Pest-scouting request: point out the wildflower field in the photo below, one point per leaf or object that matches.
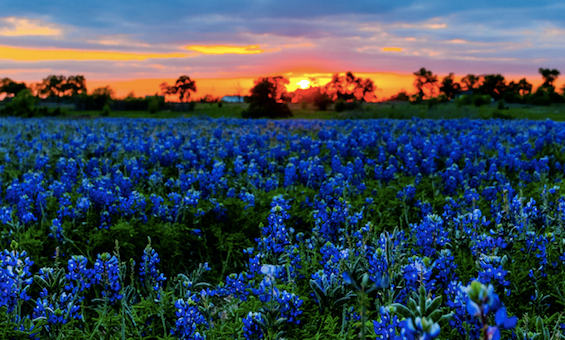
(295, 229)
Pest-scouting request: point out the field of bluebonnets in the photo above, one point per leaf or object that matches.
(294, 229)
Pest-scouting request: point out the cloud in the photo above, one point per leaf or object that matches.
(16, 27)
(233, 37)
(224, 49)
(117, 40)
(29, 54)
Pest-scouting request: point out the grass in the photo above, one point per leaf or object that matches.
(397, 110)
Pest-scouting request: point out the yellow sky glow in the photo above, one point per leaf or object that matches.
(224, 49)
(392, 49)
(22, 27)
(31, 54)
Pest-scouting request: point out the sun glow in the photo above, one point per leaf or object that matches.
(304, 84)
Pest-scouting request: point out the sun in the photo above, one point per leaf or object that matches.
(304, 84)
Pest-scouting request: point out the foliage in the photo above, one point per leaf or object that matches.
(349, 88)
(183, 86)
(57, 86)
(342, 105)
(446, 229)
(10, 87)
(106, 111)
(425, 80)
(268, 99)
(449, 87)
(153, 104)
(23, 104)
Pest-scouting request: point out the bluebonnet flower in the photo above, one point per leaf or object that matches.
(481, 301)
(378, 267)
(289, 304)
(189, 319)
(251, 329)
(56, 230)
(78, 276)
(491, 270)
(418, 271)
(15, 277)
(276, 236)
(236, 285)
(456, 300)
(386, 327)
(419, 329)
(430, 235)
(107, 273)
(149, 275)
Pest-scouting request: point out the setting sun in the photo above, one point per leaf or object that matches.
(304, 84)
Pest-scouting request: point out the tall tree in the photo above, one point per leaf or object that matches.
(470, 81)
(549, 76)
(74, 85)
(10, 87)
(52, 86)
(522, 87)
(493, 85)
(183, 86)
(425, 79)
(268, 99)
(449, 87)
(348, 87)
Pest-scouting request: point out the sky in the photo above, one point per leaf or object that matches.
(225, 45)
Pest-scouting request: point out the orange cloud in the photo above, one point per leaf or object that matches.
(30, 54)
(392, 49)
(225, 49)
(21, 26)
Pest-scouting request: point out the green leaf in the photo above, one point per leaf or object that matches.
(403, 310)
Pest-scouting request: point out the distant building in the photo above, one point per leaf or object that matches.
(232, 99)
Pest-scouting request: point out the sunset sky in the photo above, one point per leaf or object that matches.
(225, 45)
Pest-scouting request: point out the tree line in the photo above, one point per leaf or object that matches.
(269, 96)
(22, 98)
(473, 87)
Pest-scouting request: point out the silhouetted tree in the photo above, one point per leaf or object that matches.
(102, 96)
(268, 99)
(494, 85)
(549, 76)
(321, 99)
(183, 86)
(349, 88)
(449, 87)
(545, 94)
(516, 92)
(74, 85)
(401, 96)
(470, 81)
(521, 88)
(52, 86)
(10, 87)
(425, 79)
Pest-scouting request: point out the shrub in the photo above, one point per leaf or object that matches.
(322, 100)
(342, 105)
(153, 105)
(23, 103)
(106, 111)
(481, 100)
